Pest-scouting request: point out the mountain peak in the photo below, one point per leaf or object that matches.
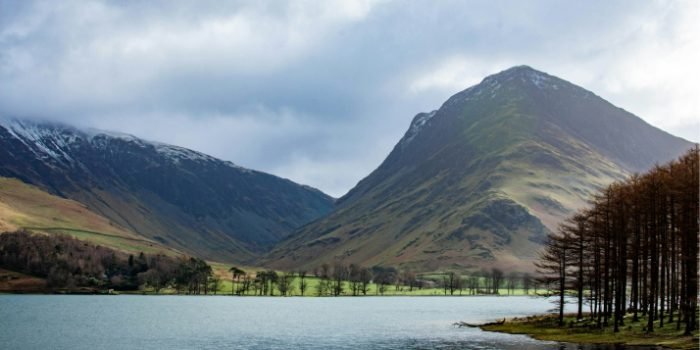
(524, 74)
(521, 68)
(517, 77)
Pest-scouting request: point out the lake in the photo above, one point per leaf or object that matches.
(219, 322)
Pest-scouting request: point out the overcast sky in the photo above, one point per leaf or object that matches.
(320, 91)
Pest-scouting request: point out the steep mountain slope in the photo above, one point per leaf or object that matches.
(480, 181)
(24, 206)
(178, 197)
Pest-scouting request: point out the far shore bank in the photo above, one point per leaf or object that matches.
(87, 291)
(544, 327)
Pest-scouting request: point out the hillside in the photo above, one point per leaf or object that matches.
(480, 181)
(177, 197)
(24, 206)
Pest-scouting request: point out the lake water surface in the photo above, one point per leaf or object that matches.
(190, 322)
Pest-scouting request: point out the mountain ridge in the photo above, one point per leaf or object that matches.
(179, 197)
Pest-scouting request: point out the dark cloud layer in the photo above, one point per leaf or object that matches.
(320, 91)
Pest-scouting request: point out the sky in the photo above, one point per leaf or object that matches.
(320, 91)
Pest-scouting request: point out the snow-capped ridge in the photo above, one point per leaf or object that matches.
(54, 142)
(48, 143)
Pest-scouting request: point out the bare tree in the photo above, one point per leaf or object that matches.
(526, 282)
(302, 282)
(214, 283)
(340, 274)
(496, 280)
(236, 273)
(285, 283)
(552, 266)
(323, 273)
(365, 279)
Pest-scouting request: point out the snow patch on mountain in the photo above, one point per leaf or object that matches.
(416, 126)
(45, 143)
(177, 153)
(94, 133)
(540, 80)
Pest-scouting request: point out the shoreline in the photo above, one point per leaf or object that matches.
(117, 293)
(544, 327)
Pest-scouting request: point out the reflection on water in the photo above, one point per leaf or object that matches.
(182, 322)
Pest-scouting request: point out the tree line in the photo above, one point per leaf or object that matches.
(355, 280)
(634, 250)
(67, 263)
(488, 282)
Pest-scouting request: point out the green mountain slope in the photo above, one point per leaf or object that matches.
(480, 181)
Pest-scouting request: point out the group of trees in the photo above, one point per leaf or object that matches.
(332, 279)
(487, 282)
(264, 282)
(634, 250)
(67, 262)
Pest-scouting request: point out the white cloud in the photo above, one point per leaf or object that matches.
(332, 175)
(455, 74)
(656, 74)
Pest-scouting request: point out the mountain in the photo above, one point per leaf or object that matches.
(177, 197)
(480, 181)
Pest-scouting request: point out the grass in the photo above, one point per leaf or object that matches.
(584, 332)
(126, 244)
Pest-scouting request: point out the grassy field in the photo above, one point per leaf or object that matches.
(584, 332)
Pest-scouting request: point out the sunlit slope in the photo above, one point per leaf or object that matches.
(480, 181)
(26, 206)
